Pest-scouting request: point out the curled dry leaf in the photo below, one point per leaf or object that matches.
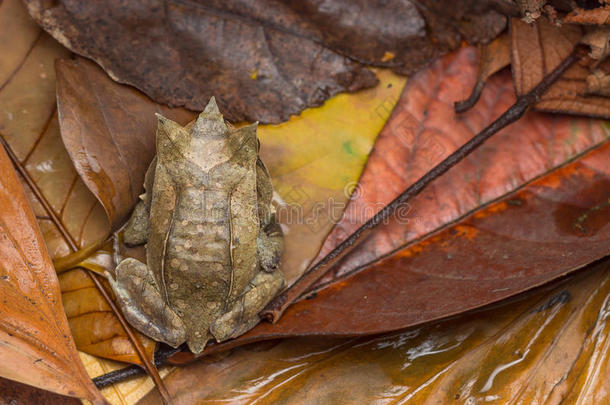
(116, 116)
(264, 60)
(36, 347)
(542, 347)
(536, 50)
(509, 217)
(314, 159)
(598, 40)
(493, 57)
(598, 83)
(29, 125)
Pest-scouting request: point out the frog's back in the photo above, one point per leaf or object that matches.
(202, 247)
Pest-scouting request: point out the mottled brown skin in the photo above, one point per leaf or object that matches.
(213, 244)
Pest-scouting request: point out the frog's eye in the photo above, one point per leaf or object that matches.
(170, 135)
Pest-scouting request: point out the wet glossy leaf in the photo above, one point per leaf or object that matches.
(536, 50)
(29, 124)
(265, 60)
(549, 346)
(36, 347)
(314, 159)
(509, 217)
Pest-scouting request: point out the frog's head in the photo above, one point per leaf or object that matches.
(207, 141)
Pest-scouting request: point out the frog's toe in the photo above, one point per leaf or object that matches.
(198, 341)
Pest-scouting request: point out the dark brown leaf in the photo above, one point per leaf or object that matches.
(91, 109)
(536, 50)
(262, 60)
(36, 346)
(14, 393)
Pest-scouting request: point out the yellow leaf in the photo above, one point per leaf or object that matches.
(315, 160)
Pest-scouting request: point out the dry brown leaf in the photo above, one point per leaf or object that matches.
(598, 40)
(493, 57)
(594, 16)
(536, 50)
(264, 60)
(549, 346)
(36, 347)
(598, 83)
(29, 124)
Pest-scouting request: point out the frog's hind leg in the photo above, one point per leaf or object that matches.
(243, 316)
(143, 305)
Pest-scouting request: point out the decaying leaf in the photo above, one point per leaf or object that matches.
(598, 40)
(29, 125)
(14, 393)
(536, 50)
(36, 347)
(598, 83)
(548, 346)
(265, 60)
(314, 159)
(594, 16)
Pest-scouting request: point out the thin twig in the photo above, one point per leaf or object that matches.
(276, 308)
(133, 371)
(150, 369)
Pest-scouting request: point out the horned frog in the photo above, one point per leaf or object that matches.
(213, 244)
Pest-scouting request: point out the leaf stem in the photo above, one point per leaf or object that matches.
(276, 308)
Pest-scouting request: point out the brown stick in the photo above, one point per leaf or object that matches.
(276, 308)
(150, 368)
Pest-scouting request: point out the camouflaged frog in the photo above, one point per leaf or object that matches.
(213, 245)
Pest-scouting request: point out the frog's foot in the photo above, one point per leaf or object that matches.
(243, 316)
(142, 303)
(269, 246)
